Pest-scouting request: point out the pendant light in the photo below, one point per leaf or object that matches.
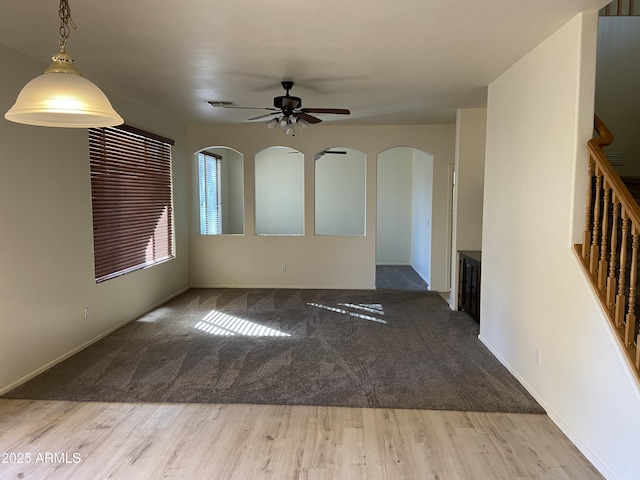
(62, 97)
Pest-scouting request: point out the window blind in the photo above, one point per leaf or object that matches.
(209, 186)
(131, 195)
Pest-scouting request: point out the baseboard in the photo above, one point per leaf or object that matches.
(554, 417)
(86, 344)
(293, 287)
(446, 296)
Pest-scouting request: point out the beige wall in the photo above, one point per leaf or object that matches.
(534, 294)
(315, 261)
(46, 242)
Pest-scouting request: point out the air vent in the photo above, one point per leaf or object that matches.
(616, 158)
(221, 103)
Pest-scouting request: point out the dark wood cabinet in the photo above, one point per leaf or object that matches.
(469, 283)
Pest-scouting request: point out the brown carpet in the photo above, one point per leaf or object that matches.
(382, 348)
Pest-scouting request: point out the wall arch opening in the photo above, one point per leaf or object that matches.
(219, 181)
(404, 214)
(279, 191)
(340, 191)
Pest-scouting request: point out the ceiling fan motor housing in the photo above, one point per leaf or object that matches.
(287, 102)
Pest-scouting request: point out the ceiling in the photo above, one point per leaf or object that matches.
(388, 61)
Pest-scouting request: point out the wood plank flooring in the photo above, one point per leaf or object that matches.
(69, 440)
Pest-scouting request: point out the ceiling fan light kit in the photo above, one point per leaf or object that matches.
(62, 97)
(288, 110)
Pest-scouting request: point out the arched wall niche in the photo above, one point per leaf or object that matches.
(219, 190)
(279, 191)
(340, 191)
(317, 261)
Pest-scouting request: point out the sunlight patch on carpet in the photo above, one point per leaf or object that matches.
(224, 325)
(372, 308)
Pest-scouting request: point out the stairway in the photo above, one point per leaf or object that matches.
(621, 8)
(610, 249)
(633, 184)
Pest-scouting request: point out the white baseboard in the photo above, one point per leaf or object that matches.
(554, 417)
(293, 287)
(86, 344)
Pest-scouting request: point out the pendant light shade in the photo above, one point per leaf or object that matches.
(63, 100)
(62, 97)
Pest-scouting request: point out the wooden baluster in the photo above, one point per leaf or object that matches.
(586, 236)
(619, 7)
(602, 265)
(630, 327)
(611, 279)
(620, 298)
(594, 254)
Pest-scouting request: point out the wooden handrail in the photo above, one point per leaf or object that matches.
(595, 146)
(610, 251)
(620, 8)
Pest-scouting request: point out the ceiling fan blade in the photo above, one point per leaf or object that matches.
(263, 116)
(319, 155)
(335, 111)
(307, 118)
(252, 108)
(218, 105)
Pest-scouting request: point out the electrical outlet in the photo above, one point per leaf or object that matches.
(537, 357)
(86, 312)
(283, 268)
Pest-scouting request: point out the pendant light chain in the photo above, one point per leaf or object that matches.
(61, 96)
(65, 22)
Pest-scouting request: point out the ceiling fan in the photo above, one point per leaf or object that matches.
(319, 155)
(288, 111)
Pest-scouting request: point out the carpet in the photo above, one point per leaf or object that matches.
(352, 348)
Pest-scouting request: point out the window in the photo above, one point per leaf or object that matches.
(209, 188)
(131, 195)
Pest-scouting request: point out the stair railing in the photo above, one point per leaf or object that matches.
(621, 8)
(609, 250)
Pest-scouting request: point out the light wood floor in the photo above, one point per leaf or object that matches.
(67, 440)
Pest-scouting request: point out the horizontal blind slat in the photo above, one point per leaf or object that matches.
(132, 200)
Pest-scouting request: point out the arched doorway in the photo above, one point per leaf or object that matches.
(404, 218)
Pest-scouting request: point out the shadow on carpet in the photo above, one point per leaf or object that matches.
(360, 348)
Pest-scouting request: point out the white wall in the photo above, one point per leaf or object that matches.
(311, 260)
(46, 242)
(471, 131)
(421, 213)
(617, 92)
(340, 192)
(279, 194)
(534, 294)
(394, 198)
